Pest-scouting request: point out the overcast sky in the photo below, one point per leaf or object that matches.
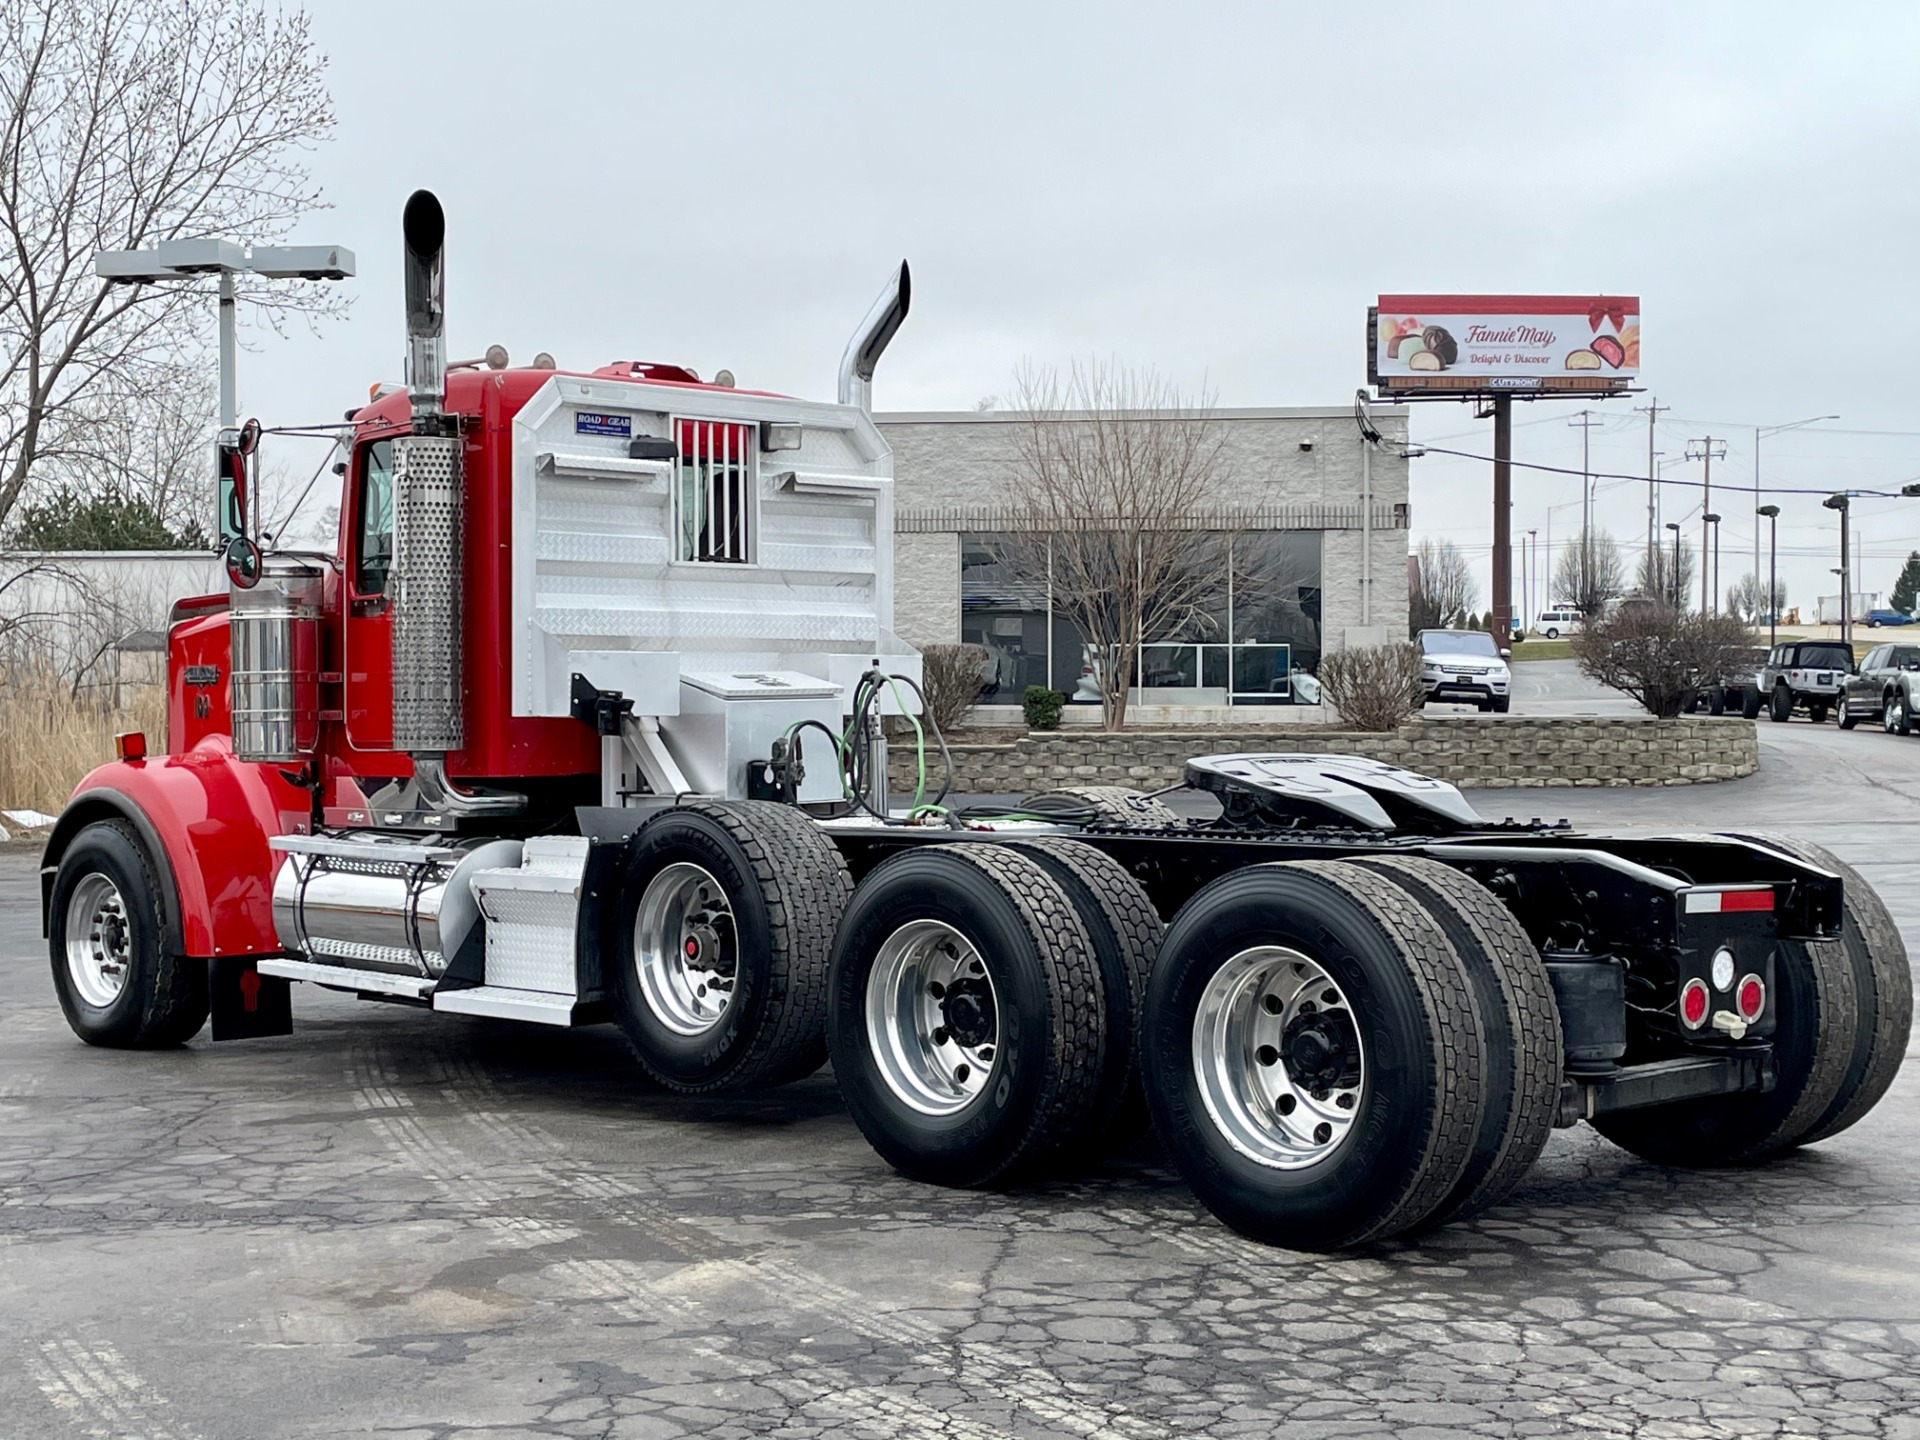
(1218, 191)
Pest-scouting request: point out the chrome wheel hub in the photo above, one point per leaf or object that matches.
(99, 941)
(685, 949)
(933, 1019)
(1278, 1057)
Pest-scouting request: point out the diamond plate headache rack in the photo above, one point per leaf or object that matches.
(1350, 790)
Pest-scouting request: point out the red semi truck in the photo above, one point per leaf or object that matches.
(582, 722)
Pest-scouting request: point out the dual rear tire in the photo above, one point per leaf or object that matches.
(1337, 1053)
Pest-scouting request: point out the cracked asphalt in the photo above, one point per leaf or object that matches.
(415, 1226)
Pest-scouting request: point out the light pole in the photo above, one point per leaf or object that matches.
(1839, 502)
(185, 259)
(1759, 433)
(1673, 584)
(1533, 574)
(1772, 512)
(1714, 521)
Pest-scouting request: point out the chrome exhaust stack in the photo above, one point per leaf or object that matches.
(870, 341)
(424, 226)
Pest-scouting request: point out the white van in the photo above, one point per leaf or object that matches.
(1552, 624)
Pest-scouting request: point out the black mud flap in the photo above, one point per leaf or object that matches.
(246, 1004)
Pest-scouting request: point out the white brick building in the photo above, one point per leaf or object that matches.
(1291, 492)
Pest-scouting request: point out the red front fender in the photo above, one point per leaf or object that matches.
(205, 818)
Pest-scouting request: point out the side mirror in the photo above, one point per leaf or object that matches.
(243, 563)
(1506, 654)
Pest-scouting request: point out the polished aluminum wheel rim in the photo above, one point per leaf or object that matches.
(686, 949)
(933, 1019)
(1278, 1056)
(99, 941)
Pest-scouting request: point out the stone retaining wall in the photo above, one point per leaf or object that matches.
(1475, 753)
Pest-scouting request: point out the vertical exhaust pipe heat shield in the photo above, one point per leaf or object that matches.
(871, 339)
(428, 501)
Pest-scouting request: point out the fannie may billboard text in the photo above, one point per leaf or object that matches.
(1504, 342)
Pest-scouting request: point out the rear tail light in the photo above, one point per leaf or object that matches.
(1694, 1003)
(1751, 997)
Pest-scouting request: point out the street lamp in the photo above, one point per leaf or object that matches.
(1839, 502)
(1714, 521)
(184, 259)
(1675, 577)
(1759, 432)
(1772, 512)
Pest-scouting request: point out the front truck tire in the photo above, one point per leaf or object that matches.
(967, 1023)
(1521, 1029)
(1314, 1055)
(117, 983)
(1125, 930)
(716, 960)
(1842, 1012)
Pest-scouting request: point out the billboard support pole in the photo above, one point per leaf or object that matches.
(1502, 520)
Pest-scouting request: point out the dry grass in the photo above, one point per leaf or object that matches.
(49, 739)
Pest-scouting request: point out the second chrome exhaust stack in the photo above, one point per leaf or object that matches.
(871, 339)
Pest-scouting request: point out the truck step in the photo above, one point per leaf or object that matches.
(342, 977)
(541, 1007)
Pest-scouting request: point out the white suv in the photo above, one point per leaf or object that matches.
(1552, 624)
(1464, 666)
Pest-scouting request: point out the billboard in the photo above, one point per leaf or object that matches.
(1476, 343)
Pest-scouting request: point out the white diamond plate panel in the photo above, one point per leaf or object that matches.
(530, 937)
(594, 557)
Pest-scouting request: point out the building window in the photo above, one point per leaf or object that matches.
(1249, 627)
(714, 499)
(1004, 611)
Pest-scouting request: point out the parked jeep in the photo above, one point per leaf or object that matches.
(1883, 689)
(1805, 673)
(1738, 691)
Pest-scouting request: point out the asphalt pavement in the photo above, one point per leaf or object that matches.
(415, 1226)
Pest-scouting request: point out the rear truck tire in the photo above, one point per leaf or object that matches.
(117, 984)
(1520, 1033)
(716, 961)
(967, 1023)
(1818, 1003)
(1871, 945)
(1716, 701)
(1110, 802)
(1125, 930)
(1781, 707)
(1313, 1055)
(1817, 711)
(1750, 702)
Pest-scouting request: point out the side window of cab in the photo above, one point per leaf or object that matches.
(373, 528)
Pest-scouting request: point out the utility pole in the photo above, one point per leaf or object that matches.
(1705, 453)
(1503, 519)
(1652, 409)
(1586, 422)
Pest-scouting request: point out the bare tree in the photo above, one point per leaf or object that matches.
(1441, 593)
(1113, 470)
(1374, 688)
(1590, 572)
(124, 123)
(1661, 656)
(1747, 598)
(1664, 577)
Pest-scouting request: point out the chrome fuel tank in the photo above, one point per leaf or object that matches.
(376, 901)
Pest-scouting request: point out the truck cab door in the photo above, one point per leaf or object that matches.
(367, 647)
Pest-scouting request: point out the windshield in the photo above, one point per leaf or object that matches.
(1458, 642)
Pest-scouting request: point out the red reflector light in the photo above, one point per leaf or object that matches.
(1752, 997)
(1693, 1004)
(131, 746)
(1725, 902)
